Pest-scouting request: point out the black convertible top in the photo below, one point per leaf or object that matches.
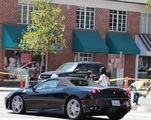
(75, 81)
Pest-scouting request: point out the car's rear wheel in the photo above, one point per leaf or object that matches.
(17, 105)
(74, 109)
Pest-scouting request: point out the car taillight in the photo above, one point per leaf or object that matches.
(98, 91)
(93, 91)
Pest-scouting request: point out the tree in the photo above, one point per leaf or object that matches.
(46, 34)
(149, 3)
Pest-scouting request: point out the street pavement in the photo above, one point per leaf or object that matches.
(5, 89)
(145, 103)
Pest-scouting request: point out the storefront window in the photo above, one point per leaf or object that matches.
(23, 63)
(115, 61)
(116, 66)
(144, 64)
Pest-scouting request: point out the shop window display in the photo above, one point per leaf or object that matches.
(144, 64)
(17, 64)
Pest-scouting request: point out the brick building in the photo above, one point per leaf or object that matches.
(96, 30)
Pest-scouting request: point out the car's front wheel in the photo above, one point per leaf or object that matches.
(17, 104)
(74, 109)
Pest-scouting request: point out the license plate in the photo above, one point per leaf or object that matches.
(115, 103)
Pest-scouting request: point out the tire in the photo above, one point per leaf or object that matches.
(17, 105)
(74, 109)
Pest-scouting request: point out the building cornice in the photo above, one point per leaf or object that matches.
(123, 5)
(107, 5)
(143, 2)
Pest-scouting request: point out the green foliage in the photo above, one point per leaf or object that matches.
(149, 3)
(46, 34)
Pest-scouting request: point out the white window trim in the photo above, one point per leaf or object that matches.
(146, 24)
(78, 58)
(117, 19)
(28, 3)
(85, 18)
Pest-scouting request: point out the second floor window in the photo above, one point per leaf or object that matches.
(24, 10)
(85, 17)
(145, 23)
(118, 21)
(84, 57)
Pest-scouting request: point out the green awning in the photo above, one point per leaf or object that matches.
(88, 41)
(10, 34)
(121, 42)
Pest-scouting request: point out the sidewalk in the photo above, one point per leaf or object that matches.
(145, 104)
(8, 89)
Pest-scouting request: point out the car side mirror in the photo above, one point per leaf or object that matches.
(76, 70)
(32, 87)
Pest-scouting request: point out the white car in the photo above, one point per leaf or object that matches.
(25, 70)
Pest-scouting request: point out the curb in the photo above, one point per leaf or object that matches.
(7, 89)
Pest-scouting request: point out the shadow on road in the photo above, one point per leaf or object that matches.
(58, 116)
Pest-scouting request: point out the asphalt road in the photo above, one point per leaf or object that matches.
(9, 115)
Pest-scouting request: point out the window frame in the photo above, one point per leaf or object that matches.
(84, 10)
(116, 16)
(144, 23)
(24, 14)
(84, 58)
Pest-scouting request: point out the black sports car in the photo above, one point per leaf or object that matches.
(75, 97)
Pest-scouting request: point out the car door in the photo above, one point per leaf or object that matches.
(80, 71)
(58, 98)
(39, 98)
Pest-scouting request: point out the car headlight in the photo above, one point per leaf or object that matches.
(54, 76)
(39, 77)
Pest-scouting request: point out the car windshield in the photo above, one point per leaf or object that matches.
(67, 67)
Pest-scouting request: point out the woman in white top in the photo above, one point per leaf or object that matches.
(103, 80)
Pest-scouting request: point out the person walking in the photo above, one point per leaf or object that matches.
(103, 80)
(108, 74)
(137, 87)
(89, 75)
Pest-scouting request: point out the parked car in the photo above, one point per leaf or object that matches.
(74, 69)
(26, 69)
(72, 96)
